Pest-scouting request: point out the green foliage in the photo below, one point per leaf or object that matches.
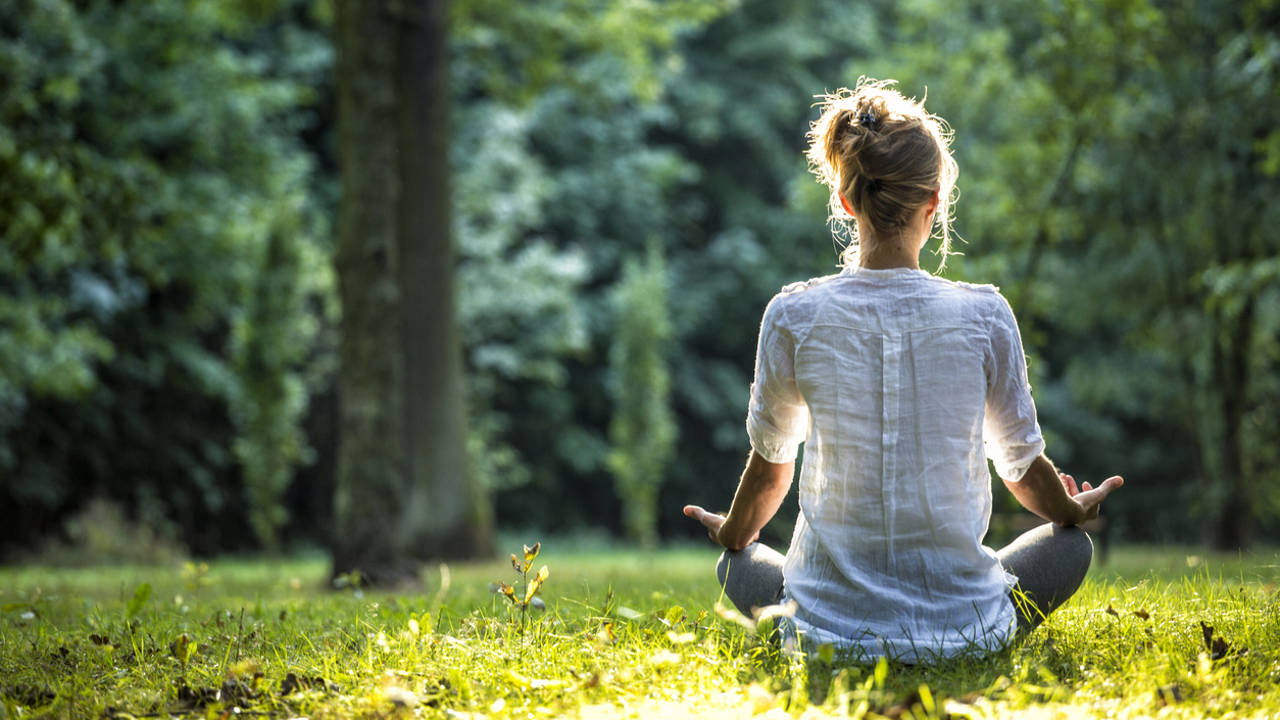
(643, 428)
(519, 306)
(273, 339)
(151, 173)
(555, 38)
(554, 189)
(167, 308)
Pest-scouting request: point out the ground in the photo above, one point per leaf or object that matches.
(1154, 632)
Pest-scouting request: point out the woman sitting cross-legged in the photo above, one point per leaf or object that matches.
(901, 385)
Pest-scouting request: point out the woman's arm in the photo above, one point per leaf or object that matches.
(760, 493)
(1055, 496)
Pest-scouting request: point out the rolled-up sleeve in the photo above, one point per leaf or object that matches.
(777, 417)
(1010, 432)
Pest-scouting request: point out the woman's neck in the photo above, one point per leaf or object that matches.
(896, 250)
(902, 251)
(883, 256)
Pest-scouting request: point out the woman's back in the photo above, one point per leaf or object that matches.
(893, 367)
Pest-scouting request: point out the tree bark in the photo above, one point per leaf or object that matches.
(1233, 524)
(447, 515)
(403, 491)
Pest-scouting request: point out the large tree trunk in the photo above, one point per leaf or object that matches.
(403, 492)
(447, 515)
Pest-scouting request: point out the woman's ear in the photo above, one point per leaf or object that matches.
(849, 208)
(933, 201)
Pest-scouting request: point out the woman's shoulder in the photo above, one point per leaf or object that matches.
(803, 285)
(795, 300)
(986, 295)
(800, 293)
(967, 287)
(982, 302)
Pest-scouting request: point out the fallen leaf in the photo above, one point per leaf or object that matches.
(1168, 694)
(1217, 645)
(293, 683)
(235, 691)
(196, 698)
(29, 695)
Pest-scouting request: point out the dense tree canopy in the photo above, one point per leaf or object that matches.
(162, 276)
(167, 185)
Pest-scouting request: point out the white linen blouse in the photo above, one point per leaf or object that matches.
(901, 385)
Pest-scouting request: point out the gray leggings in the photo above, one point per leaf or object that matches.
(1050, 562)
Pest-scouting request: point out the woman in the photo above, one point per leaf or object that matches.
(901, 385)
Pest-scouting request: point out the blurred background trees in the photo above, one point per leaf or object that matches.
(164, 275)
(169, 316)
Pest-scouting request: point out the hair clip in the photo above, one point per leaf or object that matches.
(867, 119)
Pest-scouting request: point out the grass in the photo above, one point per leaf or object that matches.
(623, 634)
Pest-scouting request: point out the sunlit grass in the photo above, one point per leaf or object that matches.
(628, 634)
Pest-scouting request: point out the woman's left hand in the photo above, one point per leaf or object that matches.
(760, 492)
(713, 522)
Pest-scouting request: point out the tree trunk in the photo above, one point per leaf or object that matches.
(447, 514)
(403, 492)
(1232, 526)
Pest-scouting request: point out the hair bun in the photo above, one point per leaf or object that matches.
(885, 156)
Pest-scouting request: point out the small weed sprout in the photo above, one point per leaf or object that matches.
(183, 648)
(529, 587)
(195, 576)
(353, 580)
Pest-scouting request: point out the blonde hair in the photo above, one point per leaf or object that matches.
(887, 156)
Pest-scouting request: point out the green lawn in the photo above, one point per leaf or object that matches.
(624, 634)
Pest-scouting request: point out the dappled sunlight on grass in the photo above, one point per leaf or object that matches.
(623, 635)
